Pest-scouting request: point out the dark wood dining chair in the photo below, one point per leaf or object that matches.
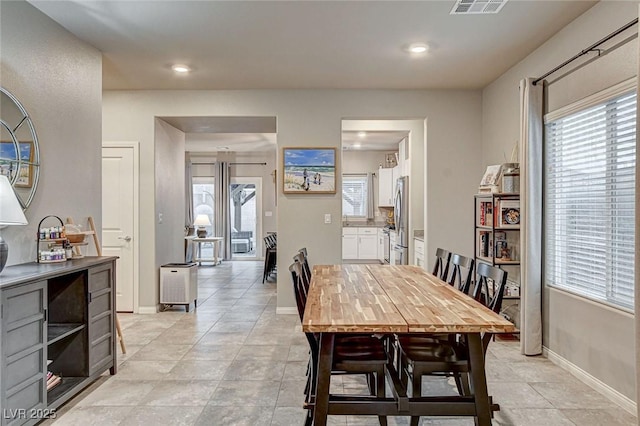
(351, 355)
(441, 268)
(270, 256)
(301, 258)
(461, 275)
(451, 357)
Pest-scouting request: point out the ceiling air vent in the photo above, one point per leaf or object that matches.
(475, 7)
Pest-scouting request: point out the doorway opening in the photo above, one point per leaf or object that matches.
(245, 210)
(204, 204)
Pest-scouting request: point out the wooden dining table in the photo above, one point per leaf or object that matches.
(396, 299)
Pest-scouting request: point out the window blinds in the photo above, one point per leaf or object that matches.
(354, 195)
(590, 160)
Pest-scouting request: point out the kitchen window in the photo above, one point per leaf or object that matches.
(354, 195)
(589, 212)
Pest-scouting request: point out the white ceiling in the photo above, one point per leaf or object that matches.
(307, 44)
(372, 141)
(302, 45)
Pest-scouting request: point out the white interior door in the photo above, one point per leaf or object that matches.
(119, 219)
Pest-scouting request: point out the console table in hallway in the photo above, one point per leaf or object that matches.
(217, 248)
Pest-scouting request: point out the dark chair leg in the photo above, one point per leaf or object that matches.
(371, 383)
(381, 392)
(416, 383)
(309, 420)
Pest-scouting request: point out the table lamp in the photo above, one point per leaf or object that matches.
(10, 214)
(201, 221)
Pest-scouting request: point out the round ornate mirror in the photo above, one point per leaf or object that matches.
(19, 151)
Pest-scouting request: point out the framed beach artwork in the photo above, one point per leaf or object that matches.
(309, 170)
(9, 163)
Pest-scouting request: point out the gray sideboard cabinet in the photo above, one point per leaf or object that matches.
(57, 317)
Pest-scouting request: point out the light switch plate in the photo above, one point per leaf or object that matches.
(160, 217)
(327, 218)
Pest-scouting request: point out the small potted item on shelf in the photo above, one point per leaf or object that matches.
(504, 253)
(68, 250)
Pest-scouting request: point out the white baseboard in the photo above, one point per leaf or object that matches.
(596, 384)
(286, 310)
(147, 309)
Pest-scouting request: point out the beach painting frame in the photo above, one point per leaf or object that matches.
(309, 170)
(9, 162)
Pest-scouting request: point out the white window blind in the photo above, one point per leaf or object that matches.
(354, 195)
(589, 212)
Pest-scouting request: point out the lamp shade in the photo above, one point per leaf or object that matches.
(10, 209)
(202, 220)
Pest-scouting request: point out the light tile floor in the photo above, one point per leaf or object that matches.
(233, 361)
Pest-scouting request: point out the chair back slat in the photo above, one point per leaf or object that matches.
(301, 297)
(490, 293)
(305, 263)
(459, 279)
(441, 267)
(306, 280)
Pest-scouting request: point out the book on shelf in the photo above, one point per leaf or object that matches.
(486, 213)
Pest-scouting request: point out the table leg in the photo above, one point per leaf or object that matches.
(200, 253)
(323, 379)
(479, 380)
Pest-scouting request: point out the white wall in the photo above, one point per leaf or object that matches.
(313, 118)
(595, 338)
(169, 201)
(58, 79)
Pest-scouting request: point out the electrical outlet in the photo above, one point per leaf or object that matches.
(160, 217)
(327, 218)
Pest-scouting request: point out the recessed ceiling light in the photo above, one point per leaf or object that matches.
(180, 69)
(417, 48)
(362, 134)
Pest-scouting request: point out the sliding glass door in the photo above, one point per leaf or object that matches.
(245, 202)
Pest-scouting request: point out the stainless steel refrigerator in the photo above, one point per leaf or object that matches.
(401, 218)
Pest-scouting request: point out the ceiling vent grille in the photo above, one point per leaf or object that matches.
(476, 7)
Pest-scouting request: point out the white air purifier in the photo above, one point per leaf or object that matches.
(179, 284)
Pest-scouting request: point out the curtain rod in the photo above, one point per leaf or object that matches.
(231, 164)
(588, 50)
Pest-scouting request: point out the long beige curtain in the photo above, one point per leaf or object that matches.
(531, 198)
(188, 203)
(222, 223)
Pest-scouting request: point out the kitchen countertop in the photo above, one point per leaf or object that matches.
(419, 235)
(363, 224)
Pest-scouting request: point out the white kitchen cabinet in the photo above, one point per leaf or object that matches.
(368, 246)
(418, 252)
(380, 235)
(403, 158)
(385, 187)
(349, 246)
(360, 243)
(392, 244)
(396, 172)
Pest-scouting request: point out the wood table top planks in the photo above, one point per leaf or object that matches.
(430, 305)
(392, 299)
(348, 299)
